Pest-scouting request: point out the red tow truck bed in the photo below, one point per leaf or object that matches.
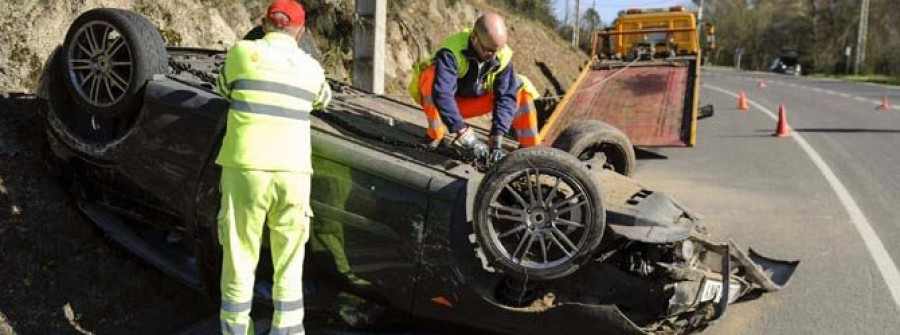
(653, 103)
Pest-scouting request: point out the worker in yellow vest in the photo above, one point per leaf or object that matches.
(471, 74)
(265, 157)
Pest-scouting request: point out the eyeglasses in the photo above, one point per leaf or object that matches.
(480, 45)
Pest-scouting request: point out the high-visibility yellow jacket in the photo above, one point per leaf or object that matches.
(456, 43)
(272, 86)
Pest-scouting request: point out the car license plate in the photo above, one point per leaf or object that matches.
(712, 291)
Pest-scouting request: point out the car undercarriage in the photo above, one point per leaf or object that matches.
(539, 242)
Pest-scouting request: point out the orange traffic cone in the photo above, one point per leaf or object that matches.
(761, 84)
(742, 101)
(782, 129)
(885, 104)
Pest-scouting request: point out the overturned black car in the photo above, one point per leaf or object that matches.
(539, 243)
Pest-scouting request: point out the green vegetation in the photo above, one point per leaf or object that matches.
(590, 22)
(538, 10)
(23, 57)
(820, 30)
(171, 37)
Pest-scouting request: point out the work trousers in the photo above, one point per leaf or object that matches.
(524, 119)
(252, 199)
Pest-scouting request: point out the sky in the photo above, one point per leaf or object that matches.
(608, 9)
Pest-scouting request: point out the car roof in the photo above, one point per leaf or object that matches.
(381, 123)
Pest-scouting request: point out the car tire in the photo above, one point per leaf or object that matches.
(559, 222)
(588, 138)
(93, 136)
(109, 55)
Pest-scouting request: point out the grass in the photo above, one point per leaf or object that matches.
(870, 78)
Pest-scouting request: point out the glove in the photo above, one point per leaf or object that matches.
(467, 142)
(432, 145)
(497, 152)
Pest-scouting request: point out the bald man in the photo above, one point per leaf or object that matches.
(471, 74)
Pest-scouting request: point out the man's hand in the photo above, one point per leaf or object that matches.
(467, 142)
(497, 152)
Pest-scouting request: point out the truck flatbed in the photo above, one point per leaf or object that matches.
(647, 101)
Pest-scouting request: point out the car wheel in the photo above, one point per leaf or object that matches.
(601, 142)
(94, 136)
(539, 215)
(110, 54)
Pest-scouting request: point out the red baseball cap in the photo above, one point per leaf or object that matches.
(290, 8)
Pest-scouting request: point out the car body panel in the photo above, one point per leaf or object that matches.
(392, 222)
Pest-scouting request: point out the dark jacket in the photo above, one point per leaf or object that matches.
(448, 85)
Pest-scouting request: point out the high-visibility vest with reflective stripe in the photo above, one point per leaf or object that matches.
(456, 43)
(272, 86)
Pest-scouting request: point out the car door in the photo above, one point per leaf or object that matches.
(369, 214)
(172, 141)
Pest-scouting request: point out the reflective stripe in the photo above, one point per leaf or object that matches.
(427, 100)
(288, 306)
(233, 329)
(324, 97)
(236, 307)
(269, 86)
(531, 132)
(434, 124)
(298, 329)
(256, 108)
(522, 110)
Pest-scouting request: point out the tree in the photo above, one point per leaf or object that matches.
(820, 30)
(591, 19)
(591, 22)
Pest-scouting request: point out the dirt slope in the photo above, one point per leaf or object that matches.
(33, 28)
(58, 273)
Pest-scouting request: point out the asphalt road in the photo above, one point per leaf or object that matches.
(768, 192)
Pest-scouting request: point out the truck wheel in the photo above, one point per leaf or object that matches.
(595, 140)
(109, 56)
(539, 215)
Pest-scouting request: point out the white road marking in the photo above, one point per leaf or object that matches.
(882, 258)
(821, 90)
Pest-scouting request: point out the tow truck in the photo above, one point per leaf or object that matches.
(642, 80)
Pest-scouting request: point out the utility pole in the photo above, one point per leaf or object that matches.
(861, 37)
(700, 30)
(700, 13)
(577, 19)
(368, 41)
